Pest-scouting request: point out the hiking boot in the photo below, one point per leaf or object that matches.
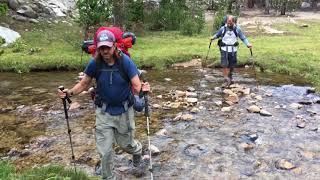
(136, 160)
(226, 83)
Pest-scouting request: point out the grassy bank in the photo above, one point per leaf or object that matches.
(57, 47)
(8, 172)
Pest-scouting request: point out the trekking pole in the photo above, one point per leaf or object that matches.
(202, 67)
(64, 101)
(208, 52)
(147, 114)
(253, 66)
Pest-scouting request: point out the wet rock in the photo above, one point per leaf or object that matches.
(268, 94)
(156, 106)
(312, 113)
(305, 102)
(74, 105)
(178, 117)
(154, 150)
(218, 103)
(247, 66)
(162, 132)
(233, 98)
(123, 168)
(246, 91)
(195, 110)
(217, 89)
(247, 146)
(14, 4)
(265, 113)
(307, 154)
(296, 106)
(159, 96)
(25, 153)
(179, 93)
(277, 107)
(254, 109)
(26, 88)
(172, 105)
(191, 89)
(226, 109)
(191, 94)
(84, 158)
(297, 171)
(210, 78)
(249, 138)
(167, 79)
(229, 92)
(187, 117)
(192, 100)
(57, 158)
(284, 164)
(13, 152)
(258, 97)
(194, 150)
(230, 103)
(301, 124)
(45, 142)
(311, 90)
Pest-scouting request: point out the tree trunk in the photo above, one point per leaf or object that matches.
(250, 3)
(283, 8)
(267, 7)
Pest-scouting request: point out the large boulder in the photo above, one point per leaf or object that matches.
(27, 11)
(14, 4)
(305, 5)
(9, 35)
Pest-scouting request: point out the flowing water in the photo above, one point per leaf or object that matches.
(213, 145)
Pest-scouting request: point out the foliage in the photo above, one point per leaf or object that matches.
(3, 9)
(19, 45)
(93, 12)
(285, 5)
(2, 41)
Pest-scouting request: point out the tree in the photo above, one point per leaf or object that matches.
(93, 12)
(285, 5)
(267, 7)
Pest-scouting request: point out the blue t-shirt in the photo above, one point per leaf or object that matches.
(111, 87)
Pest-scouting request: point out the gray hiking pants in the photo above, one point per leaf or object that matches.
(114, 128)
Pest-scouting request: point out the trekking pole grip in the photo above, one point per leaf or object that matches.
(67, 98)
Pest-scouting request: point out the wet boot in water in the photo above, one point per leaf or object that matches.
(139, 168)
(226, 83)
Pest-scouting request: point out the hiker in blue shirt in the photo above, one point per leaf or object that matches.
(117, 96)
(228, 44)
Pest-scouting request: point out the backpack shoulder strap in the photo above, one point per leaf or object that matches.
(224, 31)
(122, 71)
(235, 31)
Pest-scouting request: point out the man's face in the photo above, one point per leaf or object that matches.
(230, 22)
(106, 52)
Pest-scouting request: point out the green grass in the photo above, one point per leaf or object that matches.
(8, 172)
(293, 53)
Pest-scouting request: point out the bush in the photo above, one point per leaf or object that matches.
(2, 41)
(192, 26)
(3, 9)
(218, 19)
(19, 46)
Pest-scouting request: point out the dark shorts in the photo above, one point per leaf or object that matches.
(228, 61)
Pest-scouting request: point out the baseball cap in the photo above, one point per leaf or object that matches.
(105, 38)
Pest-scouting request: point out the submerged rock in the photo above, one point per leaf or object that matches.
(284, 164)
(296, 106)
(254, 109)
(265, 113)
(154, 150)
